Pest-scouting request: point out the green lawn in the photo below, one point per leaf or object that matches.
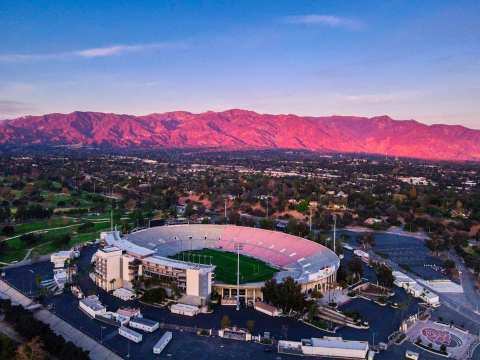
(41, 225)
(16, 249)
(251, 270)
(49, 247)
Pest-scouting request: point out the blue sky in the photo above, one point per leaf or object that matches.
(406, 59)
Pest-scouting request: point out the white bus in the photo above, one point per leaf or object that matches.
(162, 343)
(143, 324)
(130, 334)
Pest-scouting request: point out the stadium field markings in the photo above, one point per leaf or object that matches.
(251, 270)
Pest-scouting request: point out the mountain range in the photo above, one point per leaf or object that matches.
(241, 130)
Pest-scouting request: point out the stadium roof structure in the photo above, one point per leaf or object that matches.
(304, 260)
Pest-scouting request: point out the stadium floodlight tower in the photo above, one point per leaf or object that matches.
(238, 247)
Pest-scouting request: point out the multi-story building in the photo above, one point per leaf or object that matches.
(108, 268)
(190, 279)
(120, 262)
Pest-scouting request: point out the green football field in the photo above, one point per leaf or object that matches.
(251, 270)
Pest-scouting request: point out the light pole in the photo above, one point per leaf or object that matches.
(101, 334)
(238, 247)
(33, 273)
(310, 220)
(267, 207)
(334, 233)
(225, 211)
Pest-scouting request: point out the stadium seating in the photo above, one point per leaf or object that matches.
(288, 252)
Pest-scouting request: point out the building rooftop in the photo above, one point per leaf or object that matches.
(185, 306)
(336, 343)
(93, 303)
(158, 260)
(129, 331)
(110, 249)
(144, 321)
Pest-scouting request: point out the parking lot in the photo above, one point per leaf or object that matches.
(404, 250)
(187, 345)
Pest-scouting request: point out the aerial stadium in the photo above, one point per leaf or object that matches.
(192, 255)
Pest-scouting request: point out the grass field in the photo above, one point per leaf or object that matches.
(251, 270)
(16, 249)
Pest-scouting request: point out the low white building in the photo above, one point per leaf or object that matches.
(61, 278)
(92, 306)
(124, 294)
(130, 334)
(162, 342)
(362, 254)
(430, 298)
(235, 333)
(402, 280)
(58, 259)
(331, 347)
(415, 289)
(266, 309)
(372, 221)
(143, 324)
(184, 309)
(129, 312)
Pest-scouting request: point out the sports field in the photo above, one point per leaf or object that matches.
(251, 270)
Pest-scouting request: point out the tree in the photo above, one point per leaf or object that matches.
(86, 227)
(312, 312)
(286, 295)
(302, 206)
(269, 291)
(266, 223)
(356, 267)
(367, 240)
(38, 280)
(449, 264)
(189, 210)
(225, 322)
(31, 350)
(8, 230)
(7, 348)
(155, 295)
(250, 326)
(384, 275)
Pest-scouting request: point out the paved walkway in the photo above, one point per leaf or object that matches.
(99, 221)
(97, 351)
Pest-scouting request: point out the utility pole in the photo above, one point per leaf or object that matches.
(111, 219)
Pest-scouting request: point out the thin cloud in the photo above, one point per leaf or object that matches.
(380, 99)
(10, 107)
(113, 50)
(326, 20)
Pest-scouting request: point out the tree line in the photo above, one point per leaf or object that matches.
(30, 328)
